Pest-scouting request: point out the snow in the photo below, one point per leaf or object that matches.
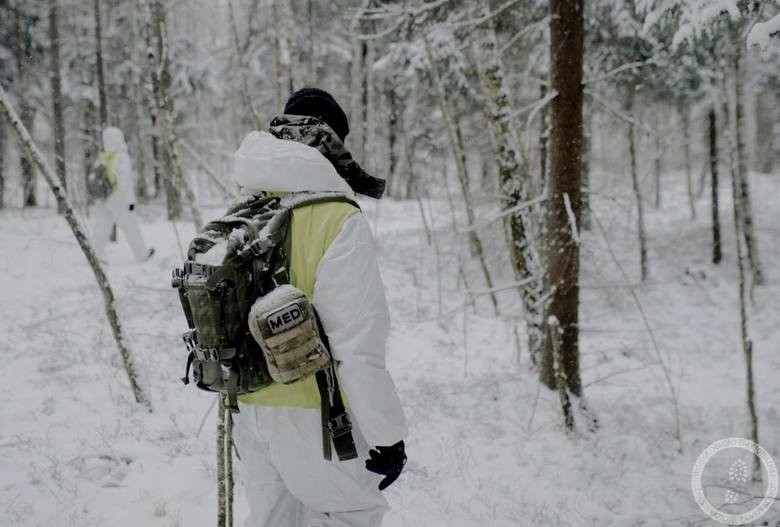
(487, 445)
(762, 33)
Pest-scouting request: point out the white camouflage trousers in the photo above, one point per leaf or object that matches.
(106, 214)
(290, 484)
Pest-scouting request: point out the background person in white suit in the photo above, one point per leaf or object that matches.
(113, 184)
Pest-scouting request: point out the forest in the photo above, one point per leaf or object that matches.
(578, 242)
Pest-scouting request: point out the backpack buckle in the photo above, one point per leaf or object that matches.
(177, 278)
(190, 342)
(340, 425)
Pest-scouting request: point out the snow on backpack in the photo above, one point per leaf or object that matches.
(248, 327)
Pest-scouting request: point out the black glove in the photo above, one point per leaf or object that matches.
(387, 461)
(132, 207)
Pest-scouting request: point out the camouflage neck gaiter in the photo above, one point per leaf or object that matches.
(315, 133)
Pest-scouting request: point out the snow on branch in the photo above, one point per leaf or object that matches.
(763, 32)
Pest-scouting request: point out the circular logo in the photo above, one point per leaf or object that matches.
(738, 476)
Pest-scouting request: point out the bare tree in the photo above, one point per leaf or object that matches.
(712, 136)
(56, 94)
(23, 56)
(746, 212)
(459, 155)
(686, 130)
(640, 209)
(163, 110)
(514, 179)
(563, 202)
(100, 67)
(245, 93)
(2, 166)
(97, 268)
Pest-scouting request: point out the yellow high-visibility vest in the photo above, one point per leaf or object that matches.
(313, 230)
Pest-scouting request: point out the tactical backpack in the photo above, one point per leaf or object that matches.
(102, 180)
(248, 327)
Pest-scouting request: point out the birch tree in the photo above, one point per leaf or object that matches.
(514, 179)
(163, 111)
(109, 301)
(459, 156)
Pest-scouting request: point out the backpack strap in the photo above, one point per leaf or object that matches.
(336, 424)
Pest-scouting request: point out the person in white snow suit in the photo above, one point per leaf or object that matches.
(279, 429)
(112, 184)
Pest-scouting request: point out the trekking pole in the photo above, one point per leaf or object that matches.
(221, 487)
(229, 466)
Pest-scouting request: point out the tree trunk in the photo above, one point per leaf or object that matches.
(392, 132)
(97, 268)
(739, 226)
(514, 179)
(290, 55)
(563, 204)
(585, 216)
(640, 209)
(686, 129)
(2, 166)
(766, 103)
(746, 210)
(173, 175)
(141, 183)
(101, 80)
(713, 149)
(23, 55)
(356, 83)
(459, 155)
(56, 95)
(657, 160)
(249, 114)
(278, 64)
(544, 135)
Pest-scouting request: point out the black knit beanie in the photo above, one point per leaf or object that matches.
(314, 102)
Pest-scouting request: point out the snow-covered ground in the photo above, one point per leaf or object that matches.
(487, 446)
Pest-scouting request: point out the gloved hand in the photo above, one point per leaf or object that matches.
(387, 461)
(132, 207)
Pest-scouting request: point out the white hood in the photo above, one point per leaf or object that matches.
(114, 139)
(263, 162)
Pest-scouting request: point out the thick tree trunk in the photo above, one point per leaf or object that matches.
(62, 201)
(23, 55)
(713, 150)
(746, 210)
(56, 95)
(563, 204)
(459, 155)
(640, 209)
(514, 180)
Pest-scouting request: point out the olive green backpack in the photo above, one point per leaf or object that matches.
(217, 291)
